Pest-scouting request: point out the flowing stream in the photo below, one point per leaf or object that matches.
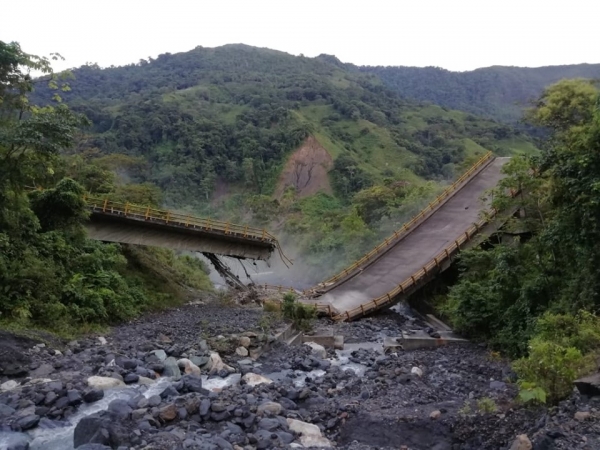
(51, 436)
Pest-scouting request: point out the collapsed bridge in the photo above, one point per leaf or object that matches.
(416, 253)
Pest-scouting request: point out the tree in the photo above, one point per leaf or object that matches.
(373, 203)
(504, 291)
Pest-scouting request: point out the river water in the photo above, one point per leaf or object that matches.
(61, 437)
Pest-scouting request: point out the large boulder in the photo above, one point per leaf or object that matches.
(188, 367)
(14, 361)
(522, 442)
(216, 364)
(16, 441)
(590, 385)
(310, 435)
(253, 379)
(317, 349)
(100, 428)
(103, 383)
(171, 369)
(8, 386)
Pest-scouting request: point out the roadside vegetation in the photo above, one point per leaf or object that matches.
(51, 275)
(535, 299)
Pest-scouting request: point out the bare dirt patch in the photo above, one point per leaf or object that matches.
(306, 170)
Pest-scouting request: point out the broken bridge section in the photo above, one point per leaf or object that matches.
(408, 260)
(139, 225)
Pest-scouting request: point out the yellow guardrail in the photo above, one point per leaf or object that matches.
(400, 233)
(411, 281)
(165, 217)
(106, 206)
(387, 298)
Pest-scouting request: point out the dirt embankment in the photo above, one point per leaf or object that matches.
(306, 170)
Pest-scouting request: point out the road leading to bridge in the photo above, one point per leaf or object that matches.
(419, 247)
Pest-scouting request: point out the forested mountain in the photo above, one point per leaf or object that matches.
(309, 147)
(497, 92)
(233, 114)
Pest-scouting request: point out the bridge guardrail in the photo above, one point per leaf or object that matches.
(106, 206)
(146, 213)
(407, 227)
(411, 281)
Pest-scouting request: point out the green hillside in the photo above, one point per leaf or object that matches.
(236, 112)
(496, 92)
(238, 132)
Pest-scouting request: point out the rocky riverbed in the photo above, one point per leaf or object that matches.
(211, 376)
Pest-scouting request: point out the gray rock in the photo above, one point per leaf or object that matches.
(93, 395)
(14, 362)
(42, 372)
(268, 424)
(55, 386)
(497, 385)
(222, 443)
(170, 391)
(6, 411)
(203, 346)
(158, 368)
(269, 407)
(192, 383)
(160, 354)
(589, 386)
(74, 397)
(217, 407)
(204, 407)
(50, 398)
(200, 360)
(120, 408)
(16, 441)
(287, 403)
(62, 402)
(127, 364)
(286, 438)
(235, 429)
(154, 400)
(28, 422)
(220, 416)
(98, 429)
(131, 378)
(93, 447)
(171, 368)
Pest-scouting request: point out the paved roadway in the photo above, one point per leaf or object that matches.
(419, 247)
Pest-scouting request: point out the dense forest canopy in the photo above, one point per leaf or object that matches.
(235, 113)
(497, 92)
(51, 274)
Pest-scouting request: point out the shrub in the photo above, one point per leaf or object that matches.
(271, 306)
(530, 393)
(581, 331)
(301, 315)
(552, 367)
(486, 405)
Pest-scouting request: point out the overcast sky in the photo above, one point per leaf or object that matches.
(454, 34)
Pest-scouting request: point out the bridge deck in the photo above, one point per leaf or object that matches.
(419, 247)
(141, 225)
